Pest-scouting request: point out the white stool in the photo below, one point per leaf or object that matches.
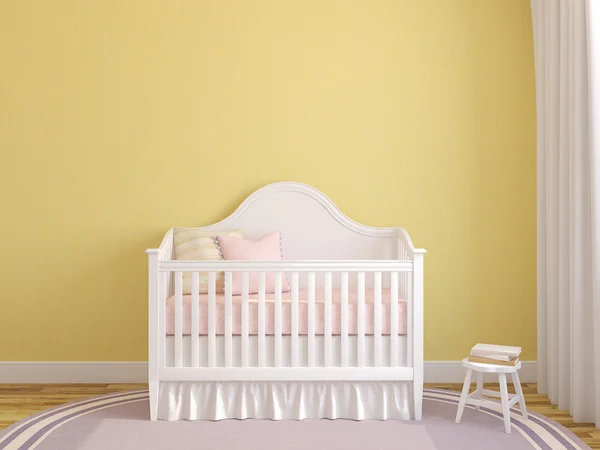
(507, 400)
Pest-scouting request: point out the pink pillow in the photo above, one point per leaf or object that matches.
(266, 248)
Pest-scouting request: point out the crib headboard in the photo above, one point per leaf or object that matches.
(312, 227)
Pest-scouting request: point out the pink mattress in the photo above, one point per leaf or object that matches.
(287, 313)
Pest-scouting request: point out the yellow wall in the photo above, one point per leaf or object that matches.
(121, 119)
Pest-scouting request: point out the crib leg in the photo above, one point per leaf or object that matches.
(418, 397)
(153, 388)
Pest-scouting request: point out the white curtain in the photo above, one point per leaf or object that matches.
(567, 67)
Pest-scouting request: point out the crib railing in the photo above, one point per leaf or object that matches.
(398, 277)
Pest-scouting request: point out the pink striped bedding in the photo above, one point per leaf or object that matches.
(287, 313)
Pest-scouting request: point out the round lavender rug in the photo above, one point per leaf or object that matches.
(120, 421)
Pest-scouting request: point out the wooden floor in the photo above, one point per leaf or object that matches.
(18, 401)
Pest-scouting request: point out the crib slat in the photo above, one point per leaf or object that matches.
(162, 322)
(401, 258)
(228, 320)
(277, 328)
(295, 350)
(261, 318)
(245, 320)
(407, 296)
(360, 318)
(311, 319)
(377, 320)
(327, 320)
(178, 319)
(394, 319)
(409, 321)
(406, 290)
(212, 300)
(344, 320)
(195, 329)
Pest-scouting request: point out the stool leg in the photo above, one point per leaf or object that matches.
(519, 392)
(504, 397)
(479, 387)
(464, 395)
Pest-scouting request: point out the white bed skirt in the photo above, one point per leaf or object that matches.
(379, 400)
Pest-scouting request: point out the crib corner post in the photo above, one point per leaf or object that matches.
(153, 331)
(153, 396)
(417, 318)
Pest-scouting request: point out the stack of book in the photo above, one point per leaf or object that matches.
(495, 354)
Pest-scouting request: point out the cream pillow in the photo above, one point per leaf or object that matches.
(199, 245)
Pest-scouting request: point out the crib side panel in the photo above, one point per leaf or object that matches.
(271, 344)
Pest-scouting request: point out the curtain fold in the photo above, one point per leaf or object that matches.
(568, 211)
(593, 57)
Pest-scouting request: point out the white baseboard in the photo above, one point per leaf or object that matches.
(454, 372)
(137, 372)
(74, 372)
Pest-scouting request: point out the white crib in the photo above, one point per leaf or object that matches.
(277, 375)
